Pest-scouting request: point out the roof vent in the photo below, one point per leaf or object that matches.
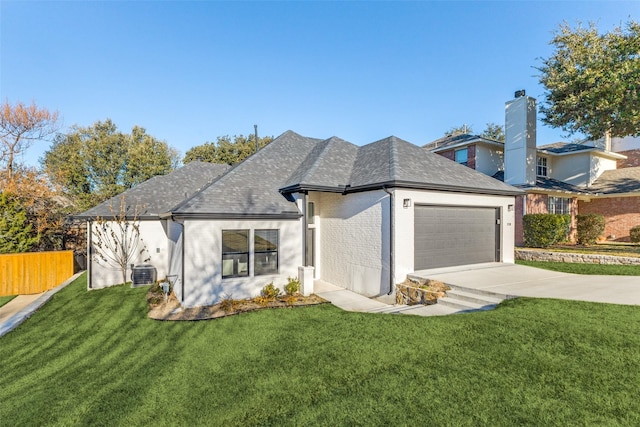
(519, 93)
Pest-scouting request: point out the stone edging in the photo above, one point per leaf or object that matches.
(550, 256)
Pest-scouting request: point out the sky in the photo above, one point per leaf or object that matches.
(189, 72)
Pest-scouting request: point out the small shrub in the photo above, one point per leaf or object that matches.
(634, 234)
(270, 291)
(262, 300)
(292, 287)
(228, 304)
(590, 227)
(544, 230)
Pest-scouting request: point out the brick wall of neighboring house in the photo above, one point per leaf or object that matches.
(620, 213)
(573, 233)
(471, 161)
(471, 155)
(632, 160)
(449, 154)
(538, 204)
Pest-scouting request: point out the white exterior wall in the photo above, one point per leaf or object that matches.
(488, 160)
(625, 144)
(154, 239)
(598, 166)
(573, 169)
(579, 169)
(404, 222)
(174, 232)
(203, 283)
(352, 240)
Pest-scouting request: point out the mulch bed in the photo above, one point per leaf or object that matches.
(172, 310)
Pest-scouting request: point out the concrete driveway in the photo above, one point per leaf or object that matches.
(518, 280)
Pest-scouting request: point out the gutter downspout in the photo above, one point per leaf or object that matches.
(184, 230)
(304, 229)
(89, 254)
(392, 242)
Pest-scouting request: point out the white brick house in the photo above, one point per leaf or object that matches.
(361, 217)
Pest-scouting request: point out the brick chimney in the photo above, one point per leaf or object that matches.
(520, 140)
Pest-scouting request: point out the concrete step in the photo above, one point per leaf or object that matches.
(473, 297)
(481, 292)
(462, 305)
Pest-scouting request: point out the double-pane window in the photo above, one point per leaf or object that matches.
(559, 205)
(542, 166)
(265, 247)
(235, 253)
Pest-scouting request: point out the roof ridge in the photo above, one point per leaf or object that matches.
(393, 156)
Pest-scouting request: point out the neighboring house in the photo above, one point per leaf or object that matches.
(359, 217)
(146, 202)
(561, 178)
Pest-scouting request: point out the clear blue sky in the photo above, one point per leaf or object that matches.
(191, 71)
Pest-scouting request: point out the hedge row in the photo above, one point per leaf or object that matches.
(544, 230)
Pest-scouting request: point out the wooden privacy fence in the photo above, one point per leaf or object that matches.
(34, 272)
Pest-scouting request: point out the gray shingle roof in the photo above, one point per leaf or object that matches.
(564, 147)
(160, 193)
(548, 184)
(328, 165)
(252, 187)
(395, 162)
(260, 186)
(618, 181)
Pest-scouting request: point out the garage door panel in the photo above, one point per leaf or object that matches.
(447, 236)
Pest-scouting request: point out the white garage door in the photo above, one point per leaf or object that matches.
(447, 236)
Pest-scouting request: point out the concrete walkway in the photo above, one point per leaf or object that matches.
(351, 301)
(519, 280)
(508, 279)
(21, 307)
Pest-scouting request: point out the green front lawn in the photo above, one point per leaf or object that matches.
(609, 248)
(577, 268)
(94, 358)
(4, 300)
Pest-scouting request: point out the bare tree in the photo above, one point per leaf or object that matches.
(20, 126)
(117, 240)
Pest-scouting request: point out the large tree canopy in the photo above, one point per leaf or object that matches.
(95, 163)
(225, 150)
(592, 81)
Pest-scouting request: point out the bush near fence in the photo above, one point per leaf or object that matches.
(34, 272)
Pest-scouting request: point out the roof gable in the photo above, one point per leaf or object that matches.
(395, 162)
(328, 165)
(251, 188)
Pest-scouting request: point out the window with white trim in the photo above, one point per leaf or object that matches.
(462, 156)
(559, 205)
(235, 253)
(265, 248)
(542, 166)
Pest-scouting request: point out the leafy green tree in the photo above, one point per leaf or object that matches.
(493, 131)
(16, 234)
(460, 130)
(95, 163)
(226, 150)
(592, 81)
